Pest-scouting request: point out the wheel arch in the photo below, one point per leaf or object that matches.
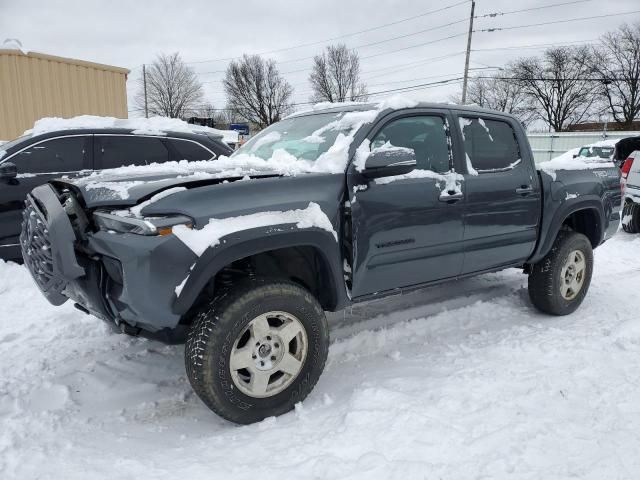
(585, 216)
(284, 254)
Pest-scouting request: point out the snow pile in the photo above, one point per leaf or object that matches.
(463, 380)
(209, 236)
(140, 126)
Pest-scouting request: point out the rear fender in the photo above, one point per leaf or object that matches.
(562, 213)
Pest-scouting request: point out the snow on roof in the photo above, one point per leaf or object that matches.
(139, 126)
(393, 102)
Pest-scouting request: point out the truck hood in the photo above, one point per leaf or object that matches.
(128, 186)
(127, 191)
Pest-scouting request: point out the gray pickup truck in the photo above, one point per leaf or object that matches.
(243, 255)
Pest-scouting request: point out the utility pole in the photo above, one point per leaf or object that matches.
(144, 81)
(466, 61)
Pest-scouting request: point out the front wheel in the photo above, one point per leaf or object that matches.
(560, 281)
(257, 350)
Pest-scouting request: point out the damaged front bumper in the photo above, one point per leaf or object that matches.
(126, 279)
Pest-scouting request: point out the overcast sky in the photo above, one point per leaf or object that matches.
(130, 33)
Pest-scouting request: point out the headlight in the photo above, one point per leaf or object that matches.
(140, 226)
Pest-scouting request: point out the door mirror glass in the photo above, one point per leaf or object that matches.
(388, 161)
(8, 170)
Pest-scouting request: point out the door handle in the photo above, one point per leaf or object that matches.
(451, 196)
(524, 190)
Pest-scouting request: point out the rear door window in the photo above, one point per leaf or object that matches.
(58, 155)
(490, 145)
(191, 151)
(120, 150)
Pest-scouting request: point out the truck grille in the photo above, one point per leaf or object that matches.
(36, 248)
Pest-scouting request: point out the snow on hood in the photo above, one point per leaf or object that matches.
(139, 126)
(208, 236)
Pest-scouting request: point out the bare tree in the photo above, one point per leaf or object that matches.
(256, 91)
(173, 88)
(206, 110)
(501, 92)
(560, 84)
(336, 76)
(616, 63)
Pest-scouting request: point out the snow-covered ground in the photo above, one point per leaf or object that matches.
(460, 381)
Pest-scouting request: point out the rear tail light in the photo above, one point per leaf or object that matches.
(626, 167)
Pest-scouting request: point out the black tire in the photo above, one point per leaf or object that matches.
(545, 278)
(631, 217)
(216, 330)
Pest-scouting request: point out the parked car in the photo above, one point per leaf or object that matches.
(31, 160)
(631, 180)
(333, 207)
(595, 152)
(624, 148)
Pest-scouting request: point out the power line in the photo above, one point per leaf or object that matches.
(413, 17)
(415, 46)
(310, 57)
(496, 29)
(381, 92)
(542, 7)
(535, 45)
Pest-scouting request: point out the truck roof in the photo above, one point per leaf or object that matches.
(358, 106)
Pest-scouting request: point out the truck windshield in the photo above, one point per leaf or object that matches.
(305, 137)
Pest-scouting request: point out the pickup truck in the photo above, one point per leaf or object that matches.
(336, 205)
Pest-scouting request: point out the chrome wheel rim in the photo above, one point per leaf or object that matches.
(572, 275)
(268, 354)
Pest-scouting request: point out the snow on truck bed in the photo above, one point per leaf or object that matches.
(430, 385)
(566, 161)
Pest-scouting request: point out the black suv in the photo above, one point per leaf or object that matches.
(30, 161)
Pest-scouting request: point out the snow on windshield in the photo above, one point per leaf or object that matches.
(139, 126)
(217, 228)
(298, 144)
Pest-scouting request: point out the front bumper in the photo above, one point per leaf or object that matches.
(121, 278)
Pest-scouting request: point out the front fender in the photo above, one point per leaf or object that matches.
(259, 240)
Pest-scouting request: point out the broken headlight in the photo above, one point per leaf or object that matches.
(140, 226)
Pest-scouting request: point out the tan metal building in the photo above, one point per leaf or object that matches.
(35, 85)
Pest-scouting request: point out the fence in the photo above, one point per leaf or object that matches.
(546, 146)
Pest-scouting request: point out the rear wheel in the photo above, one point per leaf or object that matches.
(257, 350)
(560, 281)
(631, 217)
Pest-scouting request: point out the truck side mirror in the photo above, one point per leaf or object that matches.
(386, 162)
(8, 170)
